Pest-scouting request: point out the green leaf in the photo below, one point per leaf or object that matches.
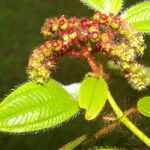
(138, 16)
(144, 106)
(92, 96)
(115, 5)
(104, 6)
(71, 145)
(33, 107)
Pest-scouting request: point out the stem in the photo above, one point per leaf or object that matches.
(120, 115)
(128, 112)
(109, 128)
(86, 53)
(75, 54)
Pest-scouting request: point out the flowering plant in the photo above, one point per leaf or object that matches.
(43, 103)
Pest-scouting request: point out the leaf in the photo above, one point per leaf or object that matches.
(144, 106)
(115, 5)
(71, 145)
(92, 96)
(33, 107)
(138, 16)
(104, 6)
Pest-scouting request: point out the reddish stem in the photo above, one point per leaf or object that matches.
(127, 113)
(86, 53)
(75, 54)
(97, 71)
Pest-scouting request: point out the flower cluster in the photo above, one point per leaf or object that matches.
(108, 34)
(41, 62)
(136, 75)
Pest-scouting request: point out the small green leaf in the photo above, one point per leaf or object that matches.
(33, 107)
(71, 145)
(92, 96)
(138, 16)
(144, 106)
(104, 6)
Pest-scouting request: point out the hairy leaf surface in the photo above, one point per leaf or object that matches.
(33, 107)
(104, 6)
(138, 16)
(92, 96)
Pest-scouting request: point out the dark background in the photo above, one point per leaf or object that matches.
(20, 23)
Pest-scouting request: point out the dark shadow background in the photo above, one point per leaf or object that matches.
(20, 23)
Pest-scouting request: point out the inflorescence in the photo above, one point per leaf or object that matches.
(107, 34)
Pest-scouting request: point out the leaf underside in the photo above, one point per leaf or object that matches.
(144, 106)
(138, 16)
(33, 107)
(105, 6)
(92, 96)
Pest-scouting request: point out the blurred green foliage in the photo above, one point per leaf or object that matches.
(20, 23)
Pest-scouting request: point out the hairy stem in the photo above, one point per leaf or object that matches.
(106, 129)
(75, 54)
(96, 70)
(121, 117)
(130, 112)
(127, 113)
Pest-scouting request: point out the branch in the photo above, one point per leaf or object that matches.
(96, 70)
(130, 112)
(74, 54)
